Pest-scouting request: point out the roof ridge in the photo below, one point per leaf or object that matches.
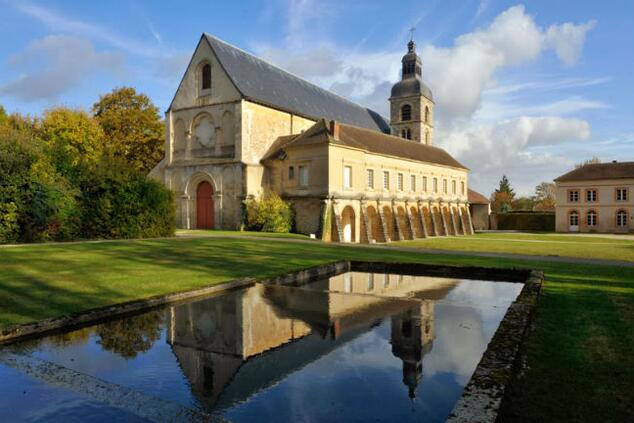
(289, 73)
(395, 137)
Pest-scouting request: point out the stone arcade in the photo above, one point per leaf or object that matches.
(239, 126)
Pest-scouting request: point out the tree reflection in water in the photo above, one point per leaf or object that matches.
(131, 336)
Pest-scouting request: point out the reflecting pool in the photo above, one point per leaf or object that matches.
(353, 347)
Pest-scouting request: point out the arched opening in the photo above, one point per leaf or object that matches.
(417, 228)
(439, 226)
(448, 221)
(348, 224)
(206, 77)
(404, 223)
(573, 221)
(621, 220)
(389, 223)
(406, 113)
(426, 114)
(428, 221)
(375, 224)
(204, 206)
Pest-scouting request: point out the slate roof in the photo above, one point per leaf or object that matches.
(261, 82)
(368, 140)
(613, 170)
(474, 197)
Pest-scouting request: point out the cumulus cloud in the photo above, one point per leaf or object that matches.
(55, 64)
(567, 40)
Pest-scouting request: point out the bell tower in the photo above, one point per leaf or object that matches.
(411, 101)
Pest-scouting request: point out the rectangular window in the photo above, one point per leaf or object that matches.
(386, 180)
(435, 185)
(444, 186)
(453, 187)
(425, 183)
(412, 183)
(303, 176)
(592, 218)
(347, 176)
(399, 182)
(621, 194)
(591, 195)
(573, 196)
(371, 178)
(291, 173)
(462, 188)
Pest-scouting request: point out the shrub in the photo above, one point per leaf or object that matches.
(269, 213)
(526, 221)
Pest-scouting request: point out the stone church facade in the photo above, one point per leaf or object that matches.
(239, 126)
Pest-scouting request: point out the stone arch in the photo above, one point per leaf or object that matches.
(348, 228)
(389, 223)
(190, 199)
(417, 227)
(179, 137)
(404, 222)
(427, 114)
(203, 130)
(428, 221)
(447, 214)
(375, 224)
(439, 225)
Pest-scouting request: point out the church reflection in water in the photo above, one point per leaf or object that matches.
(235, 345)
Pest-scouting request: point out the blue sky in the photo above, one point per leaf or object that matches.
(525, 90)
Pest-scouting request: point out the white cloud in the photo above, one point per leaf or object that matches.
(567, 40)
(55, 64)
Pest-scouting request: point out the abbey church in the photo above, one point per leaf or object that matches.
(239, 126)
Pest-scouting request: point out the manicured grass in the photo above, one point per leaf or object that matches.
(532, 244)
(204, 232)
(581, 366)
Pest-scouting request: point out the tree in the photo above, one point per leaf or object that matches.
(505, 186)
(132, 127)
(594, 160)
(501, 202)
(523, 203)
(73, 137)
(545, 196)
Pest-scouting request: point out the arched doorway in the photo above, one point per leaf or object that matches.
(204, 206)
(347, 224)
(375, 224)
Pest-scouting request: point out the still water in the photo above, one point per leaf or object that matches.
(354, 347)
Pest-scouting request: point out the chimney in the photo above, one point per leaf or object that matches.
(334, 129)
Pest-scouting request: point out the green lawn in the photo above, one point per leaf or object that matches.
(581, 365)
(532, 244)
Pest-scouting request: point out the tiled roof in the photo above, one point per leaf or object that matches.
(261, 82)
(613, 170)
(364, 139)
(475, 197)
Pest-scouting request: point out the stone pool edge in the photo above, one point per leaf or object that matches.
(482, 398)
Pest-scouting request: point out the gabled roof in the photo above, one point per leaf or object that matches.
(261, 82)
(475, 197)
(594, 171)
(364, 139)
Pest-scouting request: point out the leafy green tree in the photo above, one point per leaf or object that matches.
(73, 137)
(523, 203)
(132, 127)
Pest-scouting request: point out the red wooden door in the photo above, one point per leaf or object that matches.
(204, 206)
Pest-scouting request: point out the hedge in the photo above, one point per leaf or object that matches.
(525, 221)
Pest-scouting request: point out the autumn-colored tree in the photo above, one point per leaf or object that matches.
(73, 137)
(545, 197)
(132, 126)
(501, 202)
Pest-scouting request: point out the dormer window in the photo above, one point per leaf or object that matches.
(206, 77)
(406, 112)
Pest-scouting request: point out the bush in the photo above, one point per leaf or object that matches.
(526, 221)
(269, 213)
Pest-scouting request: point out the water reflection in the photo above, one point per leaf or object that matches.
(355, 346)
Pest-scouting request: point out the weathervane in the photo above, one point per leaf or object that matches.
(411, 33)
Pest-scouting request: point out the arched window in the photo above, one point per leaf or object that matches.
(406, 112)
(206, 76)
(621, 218)
(591, 218)
(573, 218)
(426, 114)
